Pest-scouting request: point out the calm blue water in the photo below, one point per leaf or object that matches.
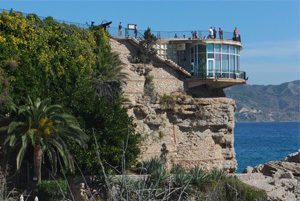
(260, 142)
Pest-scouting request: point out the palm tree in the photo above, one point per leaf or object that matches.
(46, 128)
(108, 76)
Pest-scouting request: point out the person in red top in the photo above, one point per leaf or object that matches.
(220, 33)
(235, 34)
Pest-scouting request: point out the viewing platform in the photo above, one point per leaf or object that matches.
(214, 62)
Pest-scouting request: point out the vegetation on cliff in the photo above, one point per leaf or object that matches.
(156, 182)
(147, 44)
(76, 69)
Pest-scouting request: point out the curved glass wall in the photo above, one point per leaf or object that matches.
(216, 60)
(224, 59)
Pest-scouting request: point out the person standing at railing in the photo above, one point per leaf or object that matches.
(211, 33)
(135, 31)
(220, 33)
(235, 34)
(215, 32)
(196, 34)
(120, 29)
(175, 36)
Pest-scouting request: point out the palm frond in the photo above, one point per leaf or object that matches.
(22, 151)
(40, 124)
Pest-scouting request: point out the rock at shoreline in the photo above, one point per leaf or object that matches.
(248, 169)
(280, 179)
(294, 157)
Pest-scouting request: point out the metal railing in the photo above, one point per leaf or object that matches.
(114, 31)
(222, 75)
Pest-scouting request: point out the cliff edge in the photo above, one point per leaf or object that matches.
(189, 130)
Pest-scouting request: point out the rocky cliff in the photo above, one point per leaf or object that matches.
(190, 131)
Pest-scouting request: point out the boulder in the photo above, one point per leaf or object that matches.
(294, 157)
(248, 169)
(280, 179)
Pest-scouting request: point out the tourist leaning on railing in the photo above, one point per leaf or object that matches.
(236, 36)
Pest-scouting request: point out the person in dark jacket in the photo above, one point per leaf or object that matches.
(135, 31)
(120, 29)
(215, 33)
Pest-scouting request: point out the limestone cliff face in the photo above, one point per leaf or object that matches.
(195, 131)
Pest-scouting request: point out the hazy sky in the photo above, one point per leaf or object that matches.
(270, 29)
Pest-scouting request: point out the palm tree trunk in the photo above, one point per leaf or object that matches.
(37, 161)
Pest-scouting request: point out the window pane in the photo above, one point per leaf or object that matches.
(202, 48)
(238, 63)
(201, 69)
(210, 65)
(217, 48)
(218, 62)
(237, 50)
(231, 48)
(232, 63)
(210, 47)
(225, 48)
(210, 55)
(225, 63)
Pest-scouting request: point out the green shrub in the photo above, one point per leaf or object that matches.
(216, 174)
(114, 132)
(231, 189)
(51, 190)
(152, 164)
(199, 177)
(147, 45)
(44, 58)
(167, 101)
(181, 176)
(193, 184)
(149, 88)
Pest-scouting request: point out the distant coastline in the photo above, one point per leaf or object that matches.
(266, 103)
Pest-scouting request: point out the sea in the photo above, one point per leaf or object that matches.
(260, 142)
